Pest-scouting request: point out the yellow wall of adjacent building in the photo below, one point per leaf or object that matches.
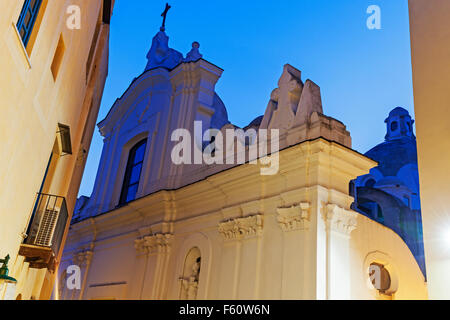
(430, 44)
(42, 85)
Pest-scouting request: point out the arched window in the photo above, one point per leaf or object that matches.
(394, 126)
(133, 172)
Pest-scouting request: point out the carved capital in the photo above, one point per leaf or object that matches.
(82, 258)
(157, 243)
(240, 228)
(339, 219)
(296, 217)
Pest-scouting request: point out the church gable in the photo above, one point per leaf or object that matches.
(147, 94)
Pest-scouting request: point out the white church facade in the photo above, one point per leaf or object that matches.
(155, 229)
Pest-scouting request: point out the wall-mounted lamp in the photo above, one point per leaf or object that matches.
(4, 271)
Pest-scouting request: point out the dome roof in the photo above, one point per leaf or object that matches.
(390, 181)
(255, 123)
(393, 155)
(399, 111)
(220, 116)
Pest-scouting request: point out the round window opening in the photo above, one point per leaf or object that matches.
(394, 126)
(380, 277)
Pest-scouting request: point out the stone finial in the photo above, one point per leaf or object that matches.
(160, 55)
(310, 102)
(284, 100)
(194, 54)
(295, 109)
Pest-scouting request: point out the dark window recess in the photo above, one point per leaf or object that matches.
(394, 126)
(370, 183)
(133, 172)
(107, 6)
(27, 19)
(92, 50)
(64, 134)
(381, 279)
(351, 188)
(58, 58)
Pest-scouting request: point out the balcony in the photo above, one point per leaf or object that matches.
(45, 232)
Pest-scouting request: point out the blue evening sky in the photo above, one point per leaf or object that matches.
(363, 73)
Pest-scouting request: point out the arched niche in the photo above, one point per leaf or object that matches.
(194, 246)
(189, 281)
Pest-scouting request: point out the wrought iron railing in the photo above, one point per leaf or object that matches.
(48, 222)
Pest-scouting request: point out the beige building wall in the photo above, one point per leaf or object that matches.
(286, 236)
(430, 45)
(57, 78)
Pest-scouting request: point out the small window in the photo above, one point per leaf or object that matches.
(133, 172)
(27, 19)
(64, 139)
(380, 277)
(351, 188)
(394, 126)
(58, 57)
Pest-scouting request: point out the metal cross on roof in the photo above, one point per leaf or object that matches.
(164, 15)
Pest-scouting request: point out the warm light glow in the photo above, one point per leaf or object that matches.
(447, 237)
(56, 285)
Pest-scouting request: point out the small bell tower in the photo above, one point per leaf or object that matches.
(399, 125)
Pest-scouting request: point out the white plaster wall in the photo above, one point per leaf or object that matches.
(373, 241)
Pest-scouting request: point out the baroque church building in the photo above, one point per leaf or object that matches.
(155, 228)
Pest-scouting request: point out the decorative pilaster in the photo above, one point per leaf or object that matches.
(157, 243)
(240, 228)
(339, 219)
(155, 248)
(83, 260)
(339, 224)
(296, 217)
